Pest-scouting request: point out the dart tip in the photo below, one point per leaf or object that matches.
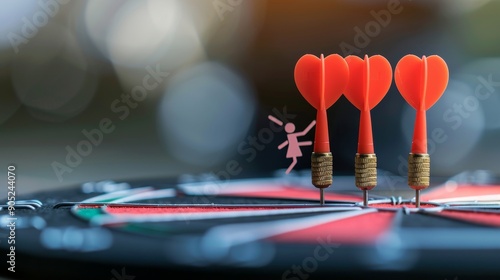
(322, 196)
(365, 197)
(417, 198)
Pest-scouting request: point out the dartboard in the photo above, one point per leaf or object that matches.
(266, 228)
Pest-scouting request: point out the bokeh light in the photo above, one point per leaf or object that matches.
(205, 111)
(483, 76)
(56, 83)
(12, 21)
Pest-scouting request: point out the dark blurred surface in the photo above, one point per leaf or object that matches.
(216, 70)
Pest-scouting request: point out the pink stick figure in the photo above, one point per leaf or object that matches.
(293, 143)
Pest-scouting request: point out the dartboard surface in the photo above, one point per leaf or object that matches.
(269, 227)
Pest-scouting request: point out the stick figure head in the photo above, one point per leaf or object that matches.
(289, 127)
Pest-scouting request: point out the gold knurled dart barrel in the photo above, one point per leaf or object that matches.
(419, 173)
(365, 173)
(322, 172)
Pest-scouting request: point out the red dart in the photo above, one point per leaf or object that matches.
(321, 82)
(369, 81)
(421, 82)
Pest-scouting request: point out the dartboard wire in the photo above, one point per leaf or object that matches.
(400, 201)
(392, 200)
(472, 204)
(31, 204)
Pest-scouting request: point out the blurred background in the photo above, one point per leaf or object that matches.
(95, 90)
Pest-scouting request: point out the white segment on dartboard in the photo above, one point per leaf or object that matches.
(476, 198)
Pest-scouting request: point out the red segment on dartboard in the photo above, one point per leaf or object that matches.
(483, 218)
(362, 229)
(155, 209)
(457, 191)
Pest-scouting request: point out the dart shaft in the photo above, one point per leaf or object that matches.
(417, 198)
(321, 138)
(365, 197)
(365, 140)
(322, 196)
(419, 144)
(365, 162)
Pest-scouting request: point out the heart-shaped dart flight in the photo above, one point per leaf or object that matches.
(369, 80)
(421, 82)
(321, 82)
